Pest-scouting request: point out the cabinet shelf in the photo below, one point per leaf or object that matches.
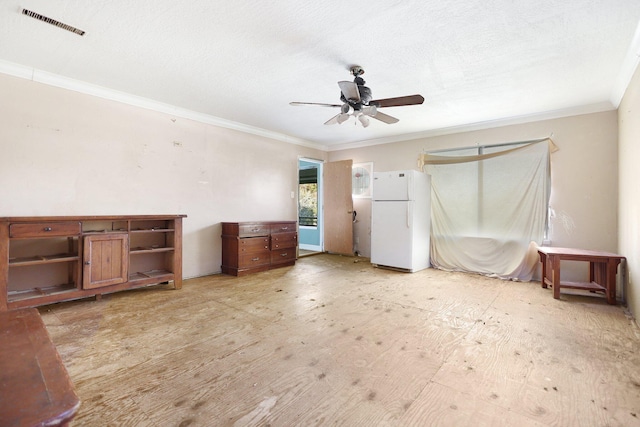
(40, 292)
(152, 230)
(42, 259)
(163, 275)
(148, 250)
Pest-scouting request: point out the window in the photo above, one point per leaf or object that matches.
(361, 178)
(308, 197)
(488, 207)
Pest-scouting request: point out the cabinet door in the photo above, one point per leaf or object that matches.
(106, 260)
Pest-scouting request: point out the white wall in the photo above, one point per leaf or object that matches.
(66, 153)
(629, 189)
(584, 175)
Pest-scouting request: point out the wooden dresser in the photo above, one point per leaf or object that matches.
(60, 258)
(249, 247)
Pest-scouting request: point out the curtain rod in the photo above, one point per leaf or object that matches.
(504, 144)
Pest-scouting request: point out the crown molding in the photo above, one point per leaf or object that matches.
(629, 66)
(56, 80)
(549, 115)
(39, 76)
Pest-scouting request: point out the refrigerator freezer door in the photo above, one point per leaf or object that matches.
(391, 243)
(392, 185)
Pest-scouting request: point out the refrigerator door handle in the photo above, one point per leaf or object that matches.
(409, 214)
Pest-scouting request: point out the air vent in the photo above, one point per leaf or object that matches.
(53, 22)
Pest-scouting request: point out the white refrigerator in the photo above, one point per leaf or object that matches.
(400, 220)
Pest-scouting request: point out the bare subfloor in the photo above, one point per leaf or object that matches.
(335, 341)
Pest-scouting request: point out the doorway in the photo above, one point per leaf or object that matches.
(310, 233)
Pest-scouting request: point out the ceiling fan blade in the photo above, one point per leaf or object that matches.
(320, 104)
(385, 118)
(333, 120)
(338, 119)
(350, 90)
(399, 101)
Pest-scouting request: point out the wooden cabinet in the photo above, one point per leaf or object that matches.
(50, 259)
(249, 247)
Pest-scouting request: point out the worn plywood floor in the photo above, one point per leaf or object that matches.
(332, 341)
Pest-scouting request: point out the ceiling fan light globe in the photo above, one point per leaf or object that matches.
(364, 120)
(342, 118)
(370, 111)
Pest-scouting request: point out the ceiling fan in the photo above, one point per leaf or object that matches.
(357, 102)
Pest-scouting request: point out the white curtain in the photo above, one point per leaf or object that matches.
(489, 210)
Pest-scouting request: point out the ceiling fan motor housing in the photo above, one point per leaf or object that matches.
(365, 95)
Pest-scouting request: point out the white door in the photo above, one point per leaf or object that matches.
(338, 207)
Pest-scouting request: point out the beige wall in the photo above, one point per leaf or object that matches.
(629, 189)
(66, 153)
(584, 176)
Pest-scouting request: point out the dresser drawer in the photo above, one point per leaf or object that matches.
(284, 240)
(253, 245)
(44, 229)
(280, 256)
(283, 227)
(253, 259)
(257, 229)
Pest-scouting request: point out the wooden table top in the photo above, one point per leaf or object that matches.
(35, 388)
(577, 252)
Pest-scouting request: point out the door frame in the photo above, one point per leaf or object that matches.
(320, 226)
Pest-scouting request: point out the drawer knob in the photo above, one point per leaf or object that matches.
(47, 229)
(87, 263)
(256, 259)
(283, 255)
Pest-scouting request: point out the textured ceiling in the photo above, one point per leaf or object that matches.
(241, 62)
